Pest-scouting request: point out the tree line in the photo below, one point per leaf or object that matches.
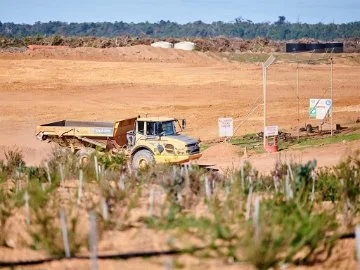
(246, 29)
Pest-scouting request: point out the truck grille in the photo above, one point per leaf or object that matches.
(193, 148)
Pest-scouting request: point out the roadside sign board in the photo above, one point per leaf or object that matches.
(320, 108)
(271, 131)
(226, 127)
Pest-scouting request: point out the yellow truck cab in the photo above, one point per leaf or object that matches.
(155, 139)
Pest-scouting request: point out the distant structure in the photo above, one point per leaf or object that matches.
(185, 45)
(334, 47)
(162, 44)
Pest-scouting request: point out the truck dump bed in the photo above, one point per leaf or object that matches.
(96, 133)
(79, 128)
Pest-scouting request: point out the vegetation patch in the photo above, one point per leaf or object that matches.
(239, 216)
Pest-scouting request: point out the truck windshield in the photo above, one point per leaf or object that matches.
(168, 128)
(160, 128)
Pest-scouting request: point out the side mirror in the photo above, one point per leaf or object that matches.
(183, 123)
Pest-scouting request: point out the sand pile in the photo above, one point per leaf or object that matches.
(138, 53)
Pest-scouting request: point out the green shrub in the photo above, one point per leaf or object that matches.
(14, 160)
(289, 233)
(6, 209)
(45, 227)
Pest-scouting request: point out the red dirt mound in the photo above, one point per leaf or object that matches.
(137, 53)
(38, 47)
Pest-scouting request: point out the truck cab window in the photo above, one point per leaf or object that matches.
(168, 128)
(150, 128)
(140, 127)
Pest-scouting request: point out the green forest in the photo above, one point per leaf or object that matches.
(246, 29)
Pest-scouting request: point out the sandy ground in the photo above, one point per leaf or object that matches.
(109, 84)
(225, 156)
(37, 87)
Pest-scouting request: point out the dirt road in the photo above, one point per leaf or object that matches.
(225, 156)
(108, 84)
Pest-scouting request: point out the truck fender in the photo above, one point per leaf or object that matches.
(41, 136)
(138, 148)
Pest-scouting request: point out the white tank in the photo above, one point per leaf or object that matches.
(185, 45)
(162, 44)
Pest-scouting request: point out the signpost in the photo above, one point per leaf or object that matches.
(331, 94)
(271, 131)
(320, 108)
(226, 127)
(265, 65)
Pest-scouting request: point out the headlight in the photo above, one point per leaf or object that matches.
(157, 147)
(192, 148)
(160, 148)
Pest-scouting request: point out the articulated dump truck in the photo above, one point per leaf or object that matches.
(143, 140)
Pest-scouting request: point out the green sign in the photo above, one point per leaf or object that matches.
(312, 112)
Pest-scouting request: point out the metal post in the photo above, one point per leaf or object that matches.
(298, 99)
(331, 93)
(264, 96)
(265, 65)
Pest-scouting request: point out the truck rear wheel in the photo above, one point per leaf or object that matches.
(142, 158)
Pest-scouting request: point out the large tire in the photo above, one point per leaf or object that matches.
(142, 159)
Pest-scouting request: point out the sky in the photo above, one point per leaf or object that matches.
(181, 11)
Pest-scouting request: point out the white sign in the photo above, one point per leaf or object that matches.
(271, 131)
(320, 108)
(226, 127)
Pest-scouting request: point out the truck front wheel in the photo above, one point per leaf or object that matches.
(142, 158)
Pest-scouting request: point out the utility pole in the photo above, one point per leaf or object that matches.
(264, 99)
(298, 99)
(265, 65)
(331, 94)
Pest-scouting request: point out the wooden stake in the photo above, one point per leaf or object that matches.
(27, 209)
(104, 209)
(61, 168)
(168, 265)
(242, 176)
(288, 190)
(64, 233)
(276, 183)
(80, 187)
(96, 168)
(151, 202)
(313, 187)
(248, 204)
(357, 234)
(93, 240)
(48, 173)
(290, 171)
(207, 188)
(121, 183)
(256, 219)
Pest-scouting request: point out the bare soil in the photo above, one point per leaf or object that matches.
(41, 86)
(108, 84)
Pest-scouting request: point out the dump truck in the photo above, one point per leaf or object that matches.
(144, 141)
